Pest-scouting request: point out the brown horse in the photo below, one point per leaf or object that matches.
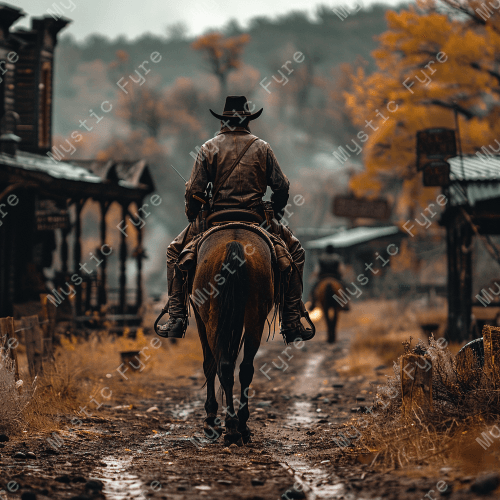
(324, 295)
(235, 276)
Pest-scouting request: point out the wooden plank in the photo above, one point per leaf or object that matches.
(34, 345)
(416, 384)
(491, 342)
(8, 342)
(48, 327)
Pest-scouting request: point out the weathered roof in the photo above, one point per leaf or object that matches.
(135, 172)
(58, 170)
(475, 168)
(130, 173)
(352, 237)
(106, 170)
(87, 177)
(474, 178)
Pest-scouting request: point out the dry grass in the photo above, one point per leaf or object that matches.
(463, 407)
(381, 328)
(15, 397)
(83, 368)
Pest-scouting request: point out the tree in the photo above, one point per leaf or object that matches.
(177, 32)
(429, 62)
(222, 53)
(144, 108)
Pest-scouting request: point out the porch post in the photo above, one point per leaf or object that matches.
(102, 295)
(77, 251)
(123, 262)
(139, 257)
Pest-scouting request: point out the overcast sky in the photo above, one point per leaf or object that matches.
(135, 17)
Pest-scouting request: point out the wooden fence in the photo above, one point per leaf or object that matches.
(36, 333)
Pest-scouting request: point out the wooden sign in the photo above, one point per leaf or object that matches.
(435, 144)
(51, 221)
(50, 216)
(437, 173)
(349, 206)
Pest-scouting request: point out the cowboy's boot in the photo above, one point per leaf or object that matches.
(293, 310)
(176, 325)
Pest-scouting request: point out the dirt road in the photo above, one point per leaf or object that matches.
(154, 448)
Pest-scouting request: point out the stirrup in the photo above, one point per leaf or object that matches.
(296, 331)
(162, 331)
(180, 323)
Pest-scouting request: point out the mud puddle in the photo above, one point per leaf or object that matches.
(316, 482)
(118, 483)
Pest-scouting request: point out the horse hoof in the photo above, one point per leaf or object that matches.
(213, 433)
(235, 438)
(246, 434)
(212, 428)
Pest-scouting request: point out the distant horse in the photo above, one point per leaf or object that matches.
(234, 265)
(323, 295)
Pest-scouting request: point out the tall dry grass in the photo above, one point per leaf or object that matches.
(15, 397)
(380, 328)
(83, 367)
(462, 409)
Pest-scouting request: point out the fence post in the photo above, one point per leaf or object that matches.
(34, 344)
(7, 330)
(416, 383)
(491, 342)
(48, 327)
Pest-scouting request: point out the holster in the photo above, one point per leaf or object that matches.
(269, 213)
(204, 213)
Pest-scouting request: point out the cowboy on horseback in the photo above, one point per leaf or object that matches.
(239, 166)
(330, 264)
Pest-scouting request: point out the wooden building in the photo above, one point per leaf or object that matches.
(357, 247)
(472, 211)
(41, 198)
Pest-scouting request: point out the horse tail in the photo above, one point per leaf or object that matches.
(233, 296)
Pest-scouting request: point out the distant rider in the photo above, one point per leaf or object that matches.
(330, 265)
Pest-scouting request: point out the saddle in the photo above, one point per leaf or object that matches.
(281, 260)
(231, 219)
(233, 215)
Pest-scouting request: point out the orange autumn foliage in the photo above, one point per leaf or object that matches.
(428, 62)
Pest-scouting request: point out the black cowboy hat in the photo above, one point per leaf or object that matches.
(236, 107)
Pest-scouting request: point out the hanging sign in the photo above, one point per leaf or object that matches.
(435, 144)
(349, 206)
(437, 173)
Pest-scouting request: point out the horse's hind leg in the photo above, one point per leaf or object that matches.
(212, 424)
(246, 376)
(252, 343)
(226, 377)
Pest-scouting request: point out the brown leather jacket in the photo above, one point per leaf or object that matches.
(247, 184)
